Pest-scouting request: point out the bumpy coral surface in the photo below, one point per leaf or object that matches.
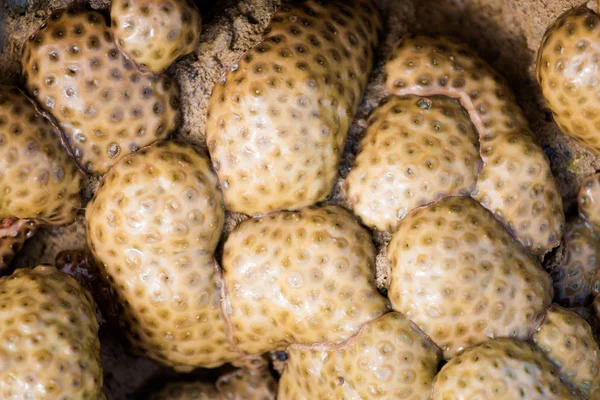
(299, 277)
(248, 384)
(153, 227)
(106, 106)
(277, 125)
(38, 179)
(416, 150)
(515, 183)
(500, 369)
(49, 347)
(241, 384)
(389, 359)
(573, 276)
(154, 33)
(567, 340)
(567, 69)
(462, 278)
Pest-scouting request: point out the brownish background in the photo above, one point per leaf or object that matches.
(507, 34)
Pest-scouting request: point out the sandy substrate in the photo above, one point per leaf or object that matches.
(507, 34)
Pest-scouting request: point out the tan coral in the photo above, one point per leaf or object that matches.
(389, 359)
(567, 70)
(38, 179)
(39, 182)
(153, 227)
(588, 200)
(248, 384)
(416, 150)
(462, 278)
(241, 384)
(277, 125)
(13, 234)
(573, 276)
(516, 182)
(500, 369)
(154, 33)
(567, 340)
(49, 347)
(107, 108)
(299, 277)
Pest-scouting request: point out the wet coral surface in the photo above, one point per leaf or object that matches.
(506, 34)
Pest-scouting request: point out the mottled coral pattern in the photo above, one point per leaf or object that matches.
(573, 276)
(105, 105)
(515, 183)
(278, 122)
(389, 359)
(500, 369)
(299, 277)
(38, 179)
(155, 33)
(153, 227)
(567, 70)
(416, 150)
(49, 347)
(462, 278)
(567, 340)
